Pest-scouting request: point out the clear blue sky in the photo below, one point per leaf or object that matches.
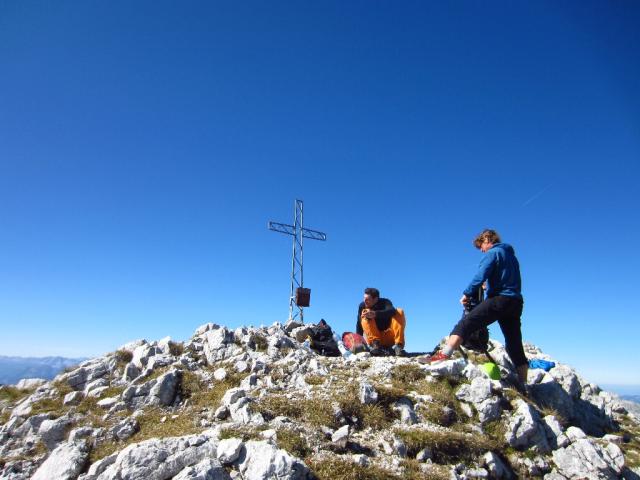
(144, 146)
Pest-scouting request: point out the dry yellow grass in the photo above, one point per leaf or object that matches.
(447, 446)
(340, 469)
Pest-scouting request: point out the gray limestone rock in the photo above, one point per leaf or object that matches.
(131, 372)
(260, 460)
(202, 329)
(447, 368)
(496, 467)
(241, 366)
(368, 394)
(131, 346)
(142, 354)
(563, 395)
(399, 447)
(94, 384)
(574, 434)
(229, 450)
(524, 429)
(77, 378)
(555, 435)
(479, 393)
(232, 395)
(124, 429)
(216, 343)
(164, 346)
(424, 455)
(108, 402)
(83, 432)
(207, 469)
(64, 463)
(21, 428)
(159, 361)
(30, 383)
(567, 378)
(249, 381)
(586, 459)
(155, 459)
(404, 407)
(73, 398)
(341, 436)
(221, 412)
(535, 467)
(164, 390)
(160, 391)
(554, 475)
(52, 432)
(97, 392)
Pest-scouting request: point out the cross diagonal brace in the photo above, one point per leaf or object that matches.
(290, 230)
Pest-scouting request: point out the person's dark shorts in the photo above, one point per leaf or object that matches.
(506, 311)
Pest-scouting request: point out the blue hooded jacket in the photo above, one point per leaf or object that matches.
(500, 268)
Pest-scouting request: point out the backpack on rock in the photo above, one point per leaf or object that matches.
(321, 340)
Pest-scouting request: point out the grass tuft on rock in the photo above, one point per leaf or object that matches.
(376, 416)
(314, 411)
(293, 442)
(414, 470)
(340, 469)
(52, 406)
(314, 379)
(445, 408)
(447, 446)
(123, 357)
(13, 395)
(154, 423)
(207, 394)
(260, 343)
(630, 445)
(176, 348)
(244, 433)
(405, 375)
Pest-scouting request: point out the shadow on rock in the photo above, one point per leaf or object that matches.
(576, 411)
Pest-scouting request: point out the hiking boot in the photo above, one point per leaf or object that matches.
(436, 357)
(398, 350)
(375, 349)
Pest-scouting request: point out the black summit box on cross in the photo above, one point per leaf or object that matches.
(303, 296)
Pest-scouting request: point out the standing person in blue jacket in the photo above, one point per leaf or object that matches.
(501, 270)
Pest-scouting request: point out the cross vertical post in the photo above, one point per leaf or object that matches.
(299, 233)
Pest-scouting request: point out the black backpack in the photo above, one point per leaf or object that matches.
(321, 340)
(478, 340)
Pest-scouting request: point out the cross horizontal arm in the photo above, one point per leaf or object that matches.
(290, 230)
(313, 234)
(282, 228)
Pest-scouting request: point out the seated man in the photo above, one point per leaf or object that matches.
(381, 323)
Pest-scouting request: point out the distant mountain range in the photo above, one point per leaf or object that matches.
(631, 398)
(12, 369)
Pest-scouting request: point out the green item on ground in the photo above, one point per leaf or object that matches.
(492, 370)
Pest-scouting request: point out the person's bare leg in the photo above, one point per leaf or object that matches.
(453, 342)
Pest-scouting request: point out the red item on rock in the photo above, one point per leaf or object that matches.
(354, 342)
(436, 357)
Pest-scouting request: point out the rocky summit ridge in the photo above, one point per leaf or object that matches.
(254, 403)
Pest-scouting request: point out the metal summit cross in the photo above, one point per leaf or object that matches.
(299, 233)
